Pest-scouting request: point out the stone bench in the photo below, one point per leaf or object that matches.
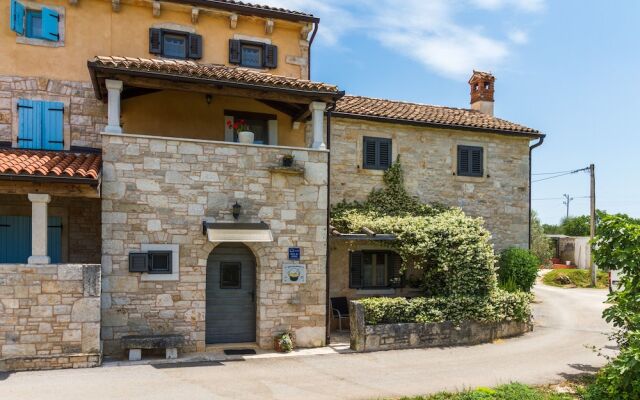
(135, 344)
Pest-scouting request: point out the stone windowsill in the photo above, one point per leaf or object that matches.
(293, 170)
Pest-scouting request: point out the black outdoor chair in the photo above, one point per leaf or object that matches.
(340, 309)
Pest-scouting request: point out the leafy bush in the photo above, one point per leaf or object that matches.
(540, 243)
(617, 246)
(512, 391)
(499, 306)
(519, 266)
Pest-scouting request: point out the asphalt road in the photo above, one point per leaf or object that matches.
(567, 320)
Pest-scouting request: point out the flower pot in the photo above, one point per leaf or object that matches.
(245, 137)
(287, 161)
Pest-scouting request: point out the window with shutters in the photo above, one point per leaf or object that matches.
(252, 54)
(376, 153)
(175, 44)
(40, 125)
(470, 161)
(374, 269)
(37, 24)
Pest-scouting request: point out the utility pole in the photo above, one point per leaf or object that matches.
(592, 172)
(567, 202)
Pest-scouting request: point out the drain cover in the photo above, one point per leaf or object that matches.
(239, 352)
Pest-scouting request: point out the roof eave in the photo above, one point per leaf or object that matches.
(50, 179)
(251, 10)
(532, 135)
(94, 67)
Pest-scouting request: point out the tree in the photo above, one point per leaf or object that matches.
(540, 243)
(576, 226)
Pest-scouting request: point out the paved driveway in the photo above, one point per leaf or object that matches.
(567, 320)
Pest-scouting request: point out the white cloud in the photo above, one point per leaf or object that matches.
(518, 36)
(427, 31)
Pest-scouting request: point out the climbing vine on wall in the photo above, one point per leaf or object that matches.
(452, 250)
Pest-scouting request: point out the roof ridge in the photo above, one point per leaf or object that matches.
(413, 103)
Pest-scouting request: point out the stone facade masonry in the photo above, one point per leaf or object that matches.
(428, 155)
(84, 115)
(49, 316)
(159, 191)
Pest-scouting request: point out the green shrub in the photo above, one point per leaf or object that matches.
(499, 306)
(520, 266)
(620, 379)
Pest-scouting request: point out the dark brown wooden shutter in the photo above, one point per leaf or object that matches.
(138, 262)
(384, 153)
(155, 41)
(477, 168)
(195, 46)
(234, 51)
(463, 161)
(355, 269)
(369, 156)
(270, 56)
(394, 265)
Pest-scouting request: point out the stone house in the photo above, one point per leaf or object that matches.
(123, 145)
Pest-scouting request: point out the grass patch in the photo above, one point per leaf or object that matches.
(512, 391)
(570, 278)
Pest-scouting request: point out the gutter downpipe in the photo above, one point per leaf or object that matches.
(327, 272)
(313, 36)
(540, 141)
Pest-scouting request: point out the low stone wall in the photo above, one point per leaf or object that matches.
(49, 316)
(414, 335)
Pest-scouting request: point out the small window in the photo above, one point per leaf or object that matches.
(35, 23)
(230, 275)
(252, 54)
(470, 161)
(160, 262)
(374, 269)
(175, 44)
(376, 153)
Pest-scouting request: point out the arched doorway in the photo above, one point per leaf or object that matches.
(231, 295)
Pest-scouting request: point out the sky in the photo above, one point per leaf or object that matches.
(569, 68)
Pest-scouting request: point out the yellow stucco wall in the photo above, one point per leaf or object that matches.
(91, 28)
(185, 114)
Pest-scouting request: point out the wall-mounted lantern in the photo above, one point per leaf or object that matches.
(236, 210)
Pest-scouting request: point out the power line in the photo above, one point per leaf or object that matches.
(561, 174)
(550, 173)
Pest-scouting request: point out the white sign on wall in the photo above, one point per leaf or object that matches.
(294, 273)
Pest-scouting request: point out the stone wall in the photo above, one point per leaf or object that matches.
(501, 197)
(81, 241)
(158, 191)
(49, 316)
(413, 335)
(84, 115)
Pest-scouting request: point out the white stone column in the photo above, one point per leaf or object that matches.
(115, 89)
(317, 117)
(39, 228)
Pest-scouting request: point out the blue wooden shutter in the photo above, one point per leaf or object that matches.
(195, 46)
(477, 164)
(54, 239)
(53, 127)
(270, 56)
(384, 153)
(15, 239)
(50, 24)
(155, 41)
(17, 17)
(464, 166)
(234, 51)
(29, 124)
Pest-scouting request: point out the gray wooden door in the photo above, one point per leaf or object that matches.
(231, 293)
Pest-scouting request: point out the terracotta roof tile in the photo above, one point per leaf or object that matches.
(247, 7)
(50, 163)
(222, 73)
(358, 106)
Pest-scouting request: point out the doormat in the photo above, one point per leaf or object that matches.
(239, 352)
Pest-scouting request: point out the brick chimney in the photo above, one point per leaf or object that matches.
(482, 88)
